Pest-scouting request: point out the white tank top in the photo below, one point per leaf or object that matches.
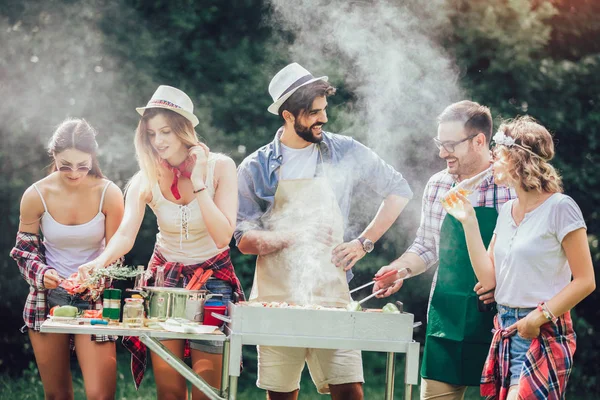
(69, 246)
(182, 234)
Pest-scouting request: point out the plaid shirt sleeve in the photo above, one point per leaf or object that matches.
(428, 234)
(29, 255)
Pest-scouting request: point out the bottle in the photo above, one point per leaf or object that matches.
(140, 278)
(133, 312)
(451, 202)
(159, 279)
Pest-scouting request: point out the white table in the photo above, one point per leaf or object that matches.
(150, 338)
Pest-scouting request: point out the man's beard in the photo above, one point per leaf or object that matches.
(306, 133)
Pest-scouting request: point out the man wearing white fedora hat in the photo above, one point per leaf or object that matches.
(294, 205)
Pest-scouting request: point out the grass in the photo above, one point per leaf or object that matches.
(29, 386)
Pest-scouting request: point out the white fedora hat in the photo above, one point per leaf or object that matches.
(173, 99)
(286, 82)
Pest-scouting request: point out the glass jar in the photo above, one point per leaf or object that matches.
(133, 313)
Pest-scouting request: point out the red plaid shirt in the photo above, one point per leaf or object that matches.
(29, 253)
(547, 367)
(174, 271)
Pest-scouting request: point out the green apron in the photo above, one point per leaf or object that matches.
(458, 335)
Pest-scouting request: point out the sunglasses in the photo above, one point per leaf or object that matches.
(450, 146)
(66, 168)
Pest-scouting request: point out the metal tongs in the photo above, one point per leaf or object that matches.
(376, 279)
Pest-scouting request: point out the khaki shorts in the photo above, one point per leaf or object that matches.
(280, 368)
(436, 390)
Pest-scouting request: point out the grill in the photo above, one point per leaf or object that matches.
(369, 330)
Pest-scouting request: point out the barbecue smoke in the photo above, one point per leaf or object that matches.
(386, 54)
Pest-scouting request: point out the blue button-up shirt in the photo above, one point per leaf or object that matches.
(350, 165)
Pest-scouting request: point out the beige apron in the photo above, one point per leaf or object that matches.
(302, 273)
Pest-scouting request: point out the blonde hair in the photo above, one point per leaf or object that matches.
(528, 161)
(148, 159)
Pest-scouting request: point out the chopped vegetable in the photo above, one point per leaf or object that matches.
(390, 308)
(354, 306)
(98, 280)
(66, 311)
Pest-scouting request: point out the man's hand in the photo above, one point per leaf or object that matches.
(347, 254)
(51, 279)
(486, 295)
(388, 282)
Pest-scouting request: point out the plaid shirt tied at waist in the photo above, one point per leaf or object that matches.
(547, 367)
(174, 271)
(29, 253)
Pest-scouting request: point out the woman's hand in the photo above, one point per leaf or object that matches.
(51, 279)
(457, 205)
(529, 327)
(86, 269)
(200, 155)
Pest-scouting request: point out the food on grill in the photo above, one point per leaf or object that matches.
(354, 306)
(64, 311)
(390, 308)
(277, 304)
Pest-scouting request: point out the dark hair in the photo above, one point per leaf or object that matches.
(302, 99)
(476, 118)
(75, 133)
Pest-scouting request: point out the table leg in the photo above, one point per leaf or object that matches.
(181, 367)
(411, 370)
(233, 383)
(390, 369)
(225, 370)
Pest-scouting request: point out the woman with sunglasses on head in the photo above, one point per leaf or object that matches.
(77, 210)
(539, 261)
(193, 193)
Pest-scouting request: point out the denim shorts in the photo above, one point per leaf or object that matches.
(60, 297)
(214, 286)
(518, 345)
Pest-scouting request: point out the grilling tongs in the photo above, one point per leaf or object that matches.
(376, 279)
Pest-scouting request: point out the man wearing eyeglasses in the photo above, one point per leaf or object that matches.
(458, 334)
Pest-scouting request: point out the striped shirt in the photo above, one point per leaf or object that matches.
(427, 242)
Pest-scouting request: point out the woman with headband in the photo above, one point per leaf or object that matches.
(540, 264)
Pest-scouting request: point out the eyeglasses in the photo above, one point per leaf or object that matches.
(66, 168)
(450, 146)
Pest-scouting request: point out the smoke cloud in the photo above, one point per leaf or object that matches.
(386, 54)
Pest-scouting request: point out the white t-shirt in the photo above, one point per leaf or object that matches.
(299, 163)
(531, 265)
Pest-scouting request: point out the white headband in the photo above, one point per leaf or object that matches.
(502, 139)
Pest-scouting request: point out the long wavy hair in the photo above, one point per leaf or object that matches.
(531, 172)
(147, 156)
(78, 134)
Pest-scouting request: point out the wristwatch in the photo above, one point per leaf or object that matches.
(367, 245)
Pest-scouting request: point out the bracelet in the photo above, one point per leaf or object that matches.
(543, 308)
(199, 190)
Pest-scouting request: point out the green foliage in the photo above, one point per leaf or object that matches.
(518, 56)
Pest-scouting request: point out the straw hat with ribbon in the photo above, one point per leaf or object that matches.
(173, 99)
(291, 78)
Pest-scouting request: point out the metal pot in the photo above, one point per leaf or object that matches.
(168, 302)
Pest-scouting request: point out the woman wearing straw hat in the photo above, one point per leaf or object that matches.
(193, 194)
(77, 210)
